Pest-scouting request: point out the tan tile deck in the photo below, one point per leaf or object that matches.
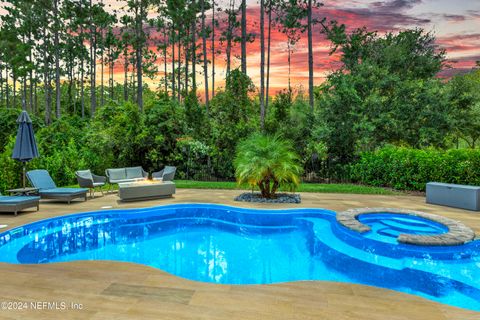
(115, 290)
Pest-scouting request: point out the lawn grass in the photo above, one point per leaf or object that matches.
(304, 187)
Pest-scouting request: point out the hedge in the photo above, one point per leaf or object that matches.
(410, 169)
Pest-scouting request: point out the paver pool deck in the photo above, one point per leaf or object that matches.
(117, 290)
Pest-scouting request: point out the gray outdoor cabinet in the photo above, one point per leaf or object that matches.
(454, 195)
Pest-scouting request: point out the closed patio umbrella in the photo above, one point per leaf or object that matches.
(25, 146)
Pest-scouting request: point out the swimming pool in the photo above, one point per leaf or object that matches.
(229, 245)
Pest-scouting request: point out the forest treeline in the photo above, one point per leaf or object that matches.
(83, 45)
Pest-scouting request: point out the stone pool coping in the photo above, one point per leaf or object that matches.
(457, 233)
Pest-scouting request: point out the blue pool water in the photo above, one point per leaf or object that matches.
(221, 244)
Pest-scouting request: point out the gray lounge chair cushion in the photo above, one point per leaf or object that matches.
(117, 174)
(134, 172)
(41, 179)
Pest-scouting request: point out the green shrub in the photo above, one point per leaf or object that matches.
(267, 162)
(61, 163)
(410, 169)
(10, 170)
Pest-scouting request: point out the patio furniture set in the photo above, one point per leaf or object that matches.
(133, 184)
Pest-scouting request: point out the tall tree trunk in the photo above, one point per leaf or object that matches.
(48, 108)
(7, 87)
(289, 48)
(244, 36)
(173, 62)
(205, 57)
(267, 96)
(111, 81)
(82, 87)
(139, 59)
(165, 59)
(35, 98)
(93, 76)
(14, 80)
(102, 87)
(70, 84)
(187, 59)
(228, 51)
(30, 82)
(125, 70)
(49, 98)
(194, 52)
(76, 76)
(82, 79)
(57, 60)
(213, 48)
(310, 55)
(134, 82)
(262, 64)
(179, 68)
(139, 83)
(31, 72)
(93, 64)
(24, 93)
(1, 84)
(102, 63)
(46, 85)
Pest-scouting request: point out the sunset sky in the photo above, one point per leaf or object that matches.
(455, 23)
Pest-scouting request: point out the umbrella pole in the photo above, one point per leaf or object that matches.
(24, 175)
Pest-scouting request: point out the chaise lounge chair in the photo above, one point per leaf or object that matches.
(47, 189)
(18, 203)
(86, 179)
(166, 174)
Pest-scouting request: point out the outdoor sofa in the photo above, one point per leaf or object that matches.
(18, 203)
(86, 179)
(166, 174)
(122, 175)
(47, 188)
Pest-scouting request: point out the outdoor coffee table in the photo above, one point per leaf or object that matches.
(145, 190)
(23, 191)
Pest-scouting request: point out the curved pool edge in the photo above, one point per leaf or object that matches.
(166, 206)
(126, 213)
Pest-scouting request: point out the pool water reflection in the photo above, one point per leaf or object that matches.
(220, 244)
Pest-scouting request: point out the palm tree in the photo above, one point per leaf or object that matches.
(267, 162)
